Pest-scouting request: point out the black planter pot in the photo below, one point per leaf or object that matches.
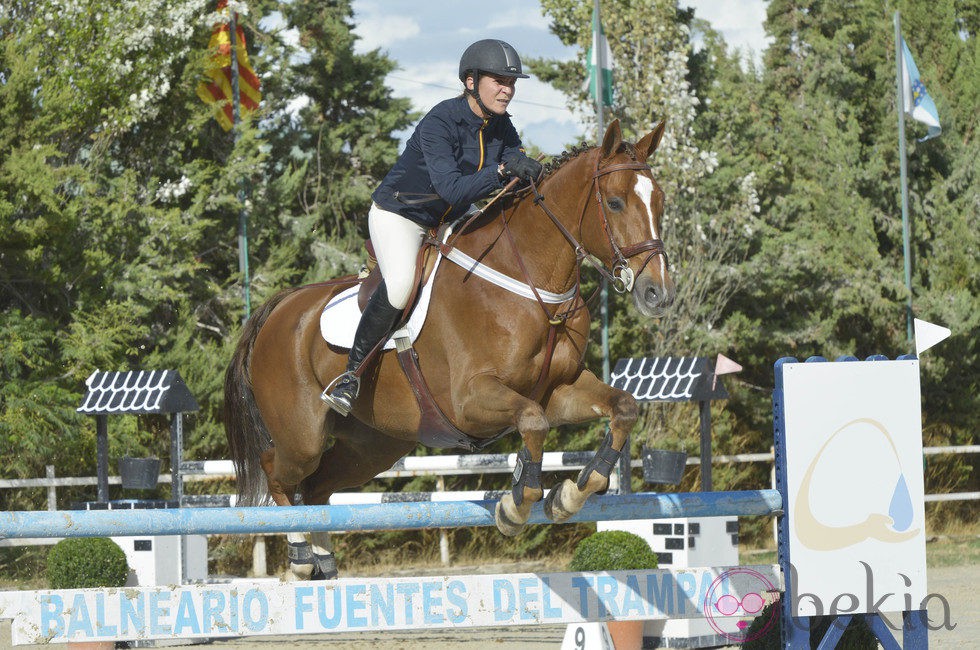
(139, 473)
(663, 466)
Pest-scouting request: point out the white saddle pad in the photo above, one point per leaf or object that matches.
(340, 317)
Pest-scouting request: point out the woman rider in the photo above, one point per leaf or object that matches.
(463, 150)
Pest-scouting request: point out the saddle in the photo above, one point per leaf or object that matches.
(435, 429)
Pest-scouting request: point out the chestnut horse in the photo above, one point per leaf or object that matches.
(493, 360)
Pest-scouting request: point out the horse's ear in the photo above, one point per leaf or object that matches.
(650, 142)
(612, 139)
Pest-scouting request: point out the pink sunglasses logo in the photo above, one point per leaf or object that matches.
(718, 604)
(728, 605)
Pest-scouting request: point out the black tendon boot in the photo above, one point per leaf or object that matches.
(377, 321)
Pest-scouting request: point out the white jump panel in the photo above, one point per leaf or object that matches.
(855, 486)
(370, 604)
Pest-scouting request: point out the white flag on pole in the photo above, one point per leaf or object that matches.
(928, 335)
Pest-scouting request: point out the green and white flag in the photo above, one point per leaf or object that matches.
(600, 59)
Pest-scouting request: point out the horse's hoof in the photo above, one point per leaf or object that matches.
(300, 572)
(326, 567)
(508, 517)
(554, 506)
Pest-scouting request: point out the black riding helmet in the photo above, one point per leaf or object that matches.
(489, 56)
(492, 56)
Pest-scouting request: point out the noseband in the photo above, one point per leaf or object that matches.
(620, 276)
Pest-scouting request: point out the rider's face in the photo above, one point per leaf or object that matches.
(496, 91)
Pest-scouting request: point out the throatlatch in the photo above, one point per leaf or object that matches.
(602, 463)
(526, 474)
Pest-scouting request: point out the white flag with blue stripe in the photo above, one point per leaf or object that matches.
(917, 103)
(599, 63)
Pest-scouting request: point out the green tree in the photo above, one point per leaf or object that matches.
(784, 224)
(120, 199)
(827, 276)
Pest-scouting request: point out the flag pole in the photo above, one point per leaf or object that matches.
(604, 293)
(903, 175)
(622, 473)
(242, 215)
(600, 127)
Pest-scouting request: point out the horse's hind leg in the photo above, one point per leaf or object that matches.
(581, 401)
(359, 454)
(283, 487)
(292, 459)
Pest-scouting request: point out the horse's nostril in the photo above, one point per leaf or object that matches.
(652, 297)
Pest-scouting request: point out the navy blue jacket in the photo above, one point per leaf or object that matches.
(453, 154)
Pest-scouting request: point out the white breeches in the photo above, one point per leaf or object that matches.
(397, 241)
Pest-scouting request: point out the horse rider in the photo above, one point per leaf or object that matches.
(463, 150)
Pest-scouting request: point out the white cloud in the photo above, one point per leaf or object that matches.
(425, 84)
(740, 23)
(376, 30)
(518, 17)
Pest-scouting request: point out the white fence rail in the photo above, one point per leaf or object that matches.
(441, 466)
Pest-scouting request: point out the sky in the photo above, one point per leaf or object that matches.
(427, 37)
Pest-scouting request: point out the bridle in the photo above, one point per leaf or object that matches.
(620, 276)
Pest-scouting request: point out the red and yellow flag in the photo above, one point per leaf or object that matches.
(217, 91)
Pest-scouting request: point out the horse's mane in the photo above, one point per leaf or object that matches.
(555, 163)
(553, 166)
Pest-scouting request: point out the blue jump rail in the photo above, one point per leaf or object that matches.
(369, 517)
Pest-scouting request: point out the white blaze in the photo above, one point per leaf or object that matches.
(644, 190)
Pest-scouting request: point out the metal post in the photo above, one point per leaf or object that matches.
(259, 564)
(242, 215)
(622, 477)
(102, 457)
(52, 490)
(176, 453)
(600, 127)
(443, 533)
(705, 417)
(903, 167)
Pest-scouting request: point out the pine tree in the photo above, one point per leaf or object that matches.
(120, 200)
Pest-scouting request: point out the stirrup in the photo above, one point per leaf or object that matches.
(341, 392)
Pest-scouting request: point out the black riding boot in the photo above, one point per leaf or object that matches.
(377, 321)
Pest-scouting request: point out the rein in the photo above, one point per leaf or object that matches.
(620, 276)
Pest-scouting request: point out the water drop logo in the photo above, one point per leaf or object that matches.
(900, 508)
(893, 527)
(757, 592)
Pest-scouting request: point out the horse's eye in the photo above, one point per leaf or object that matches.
(616, 204)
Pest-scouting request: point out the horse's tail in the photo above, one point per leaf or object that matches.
(247, 434)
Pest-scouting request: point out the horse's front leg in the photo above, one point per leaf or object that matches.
(587, 399)
(488, 403)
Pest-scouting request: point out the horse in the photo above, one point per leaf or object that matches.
(494, 361)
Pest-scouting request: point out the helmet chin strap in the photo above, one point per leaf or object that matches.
(475, 92)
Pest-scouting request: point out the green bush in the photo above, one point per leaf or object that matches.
(857, 636)
(612, 550)
(83, 562)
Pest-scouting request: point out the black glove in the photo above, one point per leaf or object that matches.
(521, 166)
